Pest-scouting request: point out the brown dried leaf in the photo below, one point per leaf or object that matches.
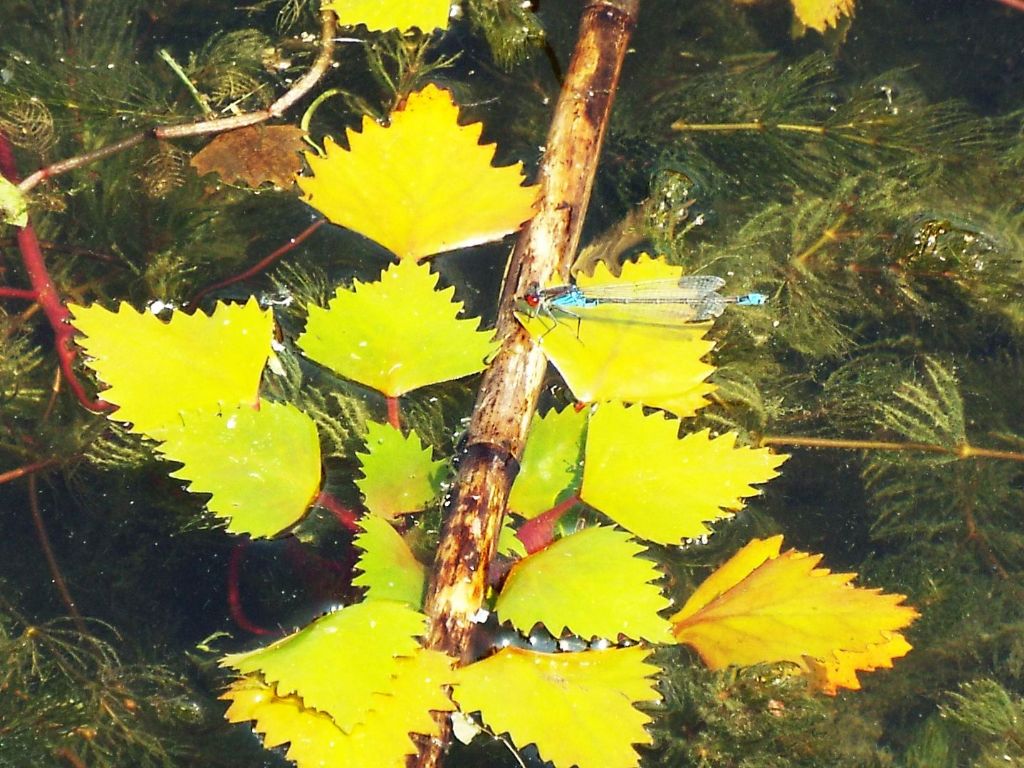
(254, 155)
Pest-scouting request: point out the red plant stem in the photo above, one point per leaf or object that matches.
(259, 266)
(394, 413)
(235, 593)
(51, 558)
(17, 293)
(1015, 4)
(540, 531)
(26, 469)
(46, 294)
(57, 314)
(342, 514)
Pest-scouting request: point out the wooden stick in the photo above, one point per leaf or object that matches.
(511, 385)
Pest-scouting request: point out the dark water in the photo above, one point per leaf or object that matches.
(879, 204)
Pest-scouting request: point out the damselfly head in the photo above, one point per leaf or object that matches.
(531, 299)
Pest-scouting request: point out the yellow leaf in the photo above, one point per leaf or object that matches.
(733, 571)
(156, 369)
(396, 334)
(390, 571)
(591, 583)
(576, 707)
(369, 637)
(422, 184)
(840, 669)
(639, 473)
(382, 741)
(382, 15)
(399, 473)
(766, 607)
(282, 719)
(607, 357)
(261, 466)
(821, 14)
(13, 204)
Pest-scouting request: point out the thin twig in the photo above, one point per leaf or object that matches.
(80, 161)
(299, 89)
(51, 558)
(962, 451)
(26, 469)
(842, 132)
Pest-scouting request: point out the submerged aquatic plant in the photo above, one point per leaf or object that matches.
(68, 696)
(844, 204)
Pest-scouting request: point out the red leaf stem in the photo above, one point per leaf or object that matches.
(17, 293)
(235, 608)
(342, 514)
(540, 531)
(394, 413)
(259, 266)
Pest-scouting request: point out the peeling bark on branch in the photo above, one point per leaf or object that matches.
(511, 385)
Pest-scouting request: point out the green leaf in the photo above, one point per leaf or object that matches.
(591, 583)
(508, 543)
(576, 707)
(551, 461)
(13, 204)
(662, 488)
(397, 334)
(260, 466)
(399, 474)
(390, 571)
(362, 642)
(155, 370)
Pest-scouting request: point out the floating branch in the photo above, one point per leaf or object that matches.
(511, 385)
